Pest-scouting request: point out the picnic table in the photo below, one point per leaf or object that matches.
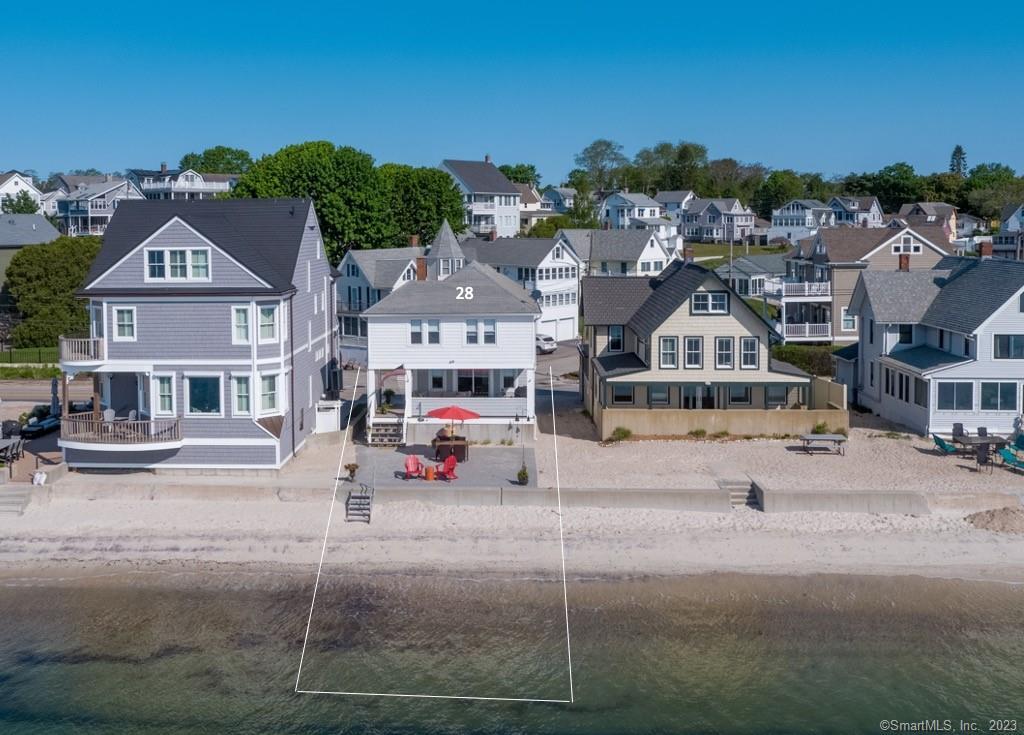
(838, 442)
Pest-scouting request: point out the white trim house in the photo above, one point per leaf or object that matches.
(490, 200)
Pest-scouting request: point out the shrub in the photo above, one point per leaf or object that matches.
(621, 433)
(820, 428)
(697, 433)
(814, 359)
(523, 475)
(28, 373)
(720, 435)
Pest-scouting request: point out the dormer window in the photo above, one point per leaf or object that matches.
(178, 265)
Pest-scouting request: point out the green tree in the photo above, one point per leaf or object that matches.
(521, 173)
(353, 207)
(419, 200)
(990, 176)
(944, 187)
(895, 185)
(650, 166)
(688, 169)
(600, 160)
(549, 226)
(217, 160)
(21, 204)
(43, 280)
(777, 189)
(958, 161)
(578, 180)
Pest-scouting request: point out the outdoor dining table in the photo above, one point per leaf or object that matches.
(997, 442)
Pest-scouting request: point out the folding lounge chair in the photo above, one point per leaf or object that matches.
(1011, 460)
(942, 446)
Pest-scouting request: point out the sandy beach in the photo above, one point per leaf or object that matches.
(78, 538)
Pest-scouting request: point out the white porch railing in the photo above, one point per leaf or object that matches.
(486, 407)
(85, 427)
(80, 349)
(807, 331)
(808, 288)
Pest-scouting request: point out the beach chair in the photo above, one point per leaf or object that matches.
(413, 467)
(1011, 460)
(1018, 443)
(447, 471)
(942, 446)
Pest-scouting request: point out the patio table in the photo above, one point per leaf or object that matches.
(972, 441)
(838, 442)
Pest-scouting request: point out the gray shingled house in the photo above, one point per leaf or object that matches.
(212, 337)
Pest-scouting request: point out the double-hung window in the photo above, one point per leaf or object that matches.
(243, 396)
(710, 303)
(179, 263)
(615, 338)
(998, 396)
(416, 332)
(471, 332)
(956, 396)
(849, 321)
(124, 324)
(268, 394)
(240, 325)
(1009, 347)
(156, 268)
(906, 334)
(749, 353)
(723, 353)
(669, 353)
(433, 332)
(164, 389)
(200, 265)
(268, 324)
(694, 350)
(490, 333)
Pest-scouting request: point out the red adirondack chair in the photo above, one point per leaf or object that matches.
(413, 467)
(447, 470)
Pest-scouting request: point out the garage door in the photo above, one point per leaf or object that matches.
(549, 328)
(566, 329)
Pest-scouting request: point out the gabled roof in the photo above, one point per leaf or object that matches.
(1009, 210)
(264, 235)
(673, 197)
(612, 299)
(579, 240)
(973, 292)
(493, 294)
(935, 209)
(671, 289)
(174, 173)
(850, 244)
(901, 297)
(697, 206)
(563, 191)
(382, 267)
(481, 176)
(637, 199)
(25, 229)
(445, 245)
(8, 175)
(91, 191)
(856, 204)
(72, 181)
(752, 265)
(626, 245)
(518, 251)
(527, 194)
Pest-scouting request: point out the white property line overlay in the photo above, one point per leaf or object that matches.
(565, 593)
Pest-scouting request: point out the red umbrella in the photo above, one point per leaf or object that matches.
(453, 414)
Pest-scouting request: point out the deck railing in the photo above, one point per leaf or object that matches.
(807, 288)
(807, 331)
(85, 427)
(486, 407)
(80, 349)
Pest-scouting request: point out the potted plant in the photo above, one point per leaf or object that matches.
(523, 475)
(388, 395)
(351, 467)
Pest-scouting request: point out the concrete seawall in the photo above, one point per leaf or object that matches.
(714, 501)
(869, 501)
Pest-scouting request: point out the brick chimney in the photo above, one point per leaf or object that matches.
(687, 255)
(487, 158)
(904, 262)
(493, 235)
(985, 249)
(421, 268)
(414, 240)
(163, 167)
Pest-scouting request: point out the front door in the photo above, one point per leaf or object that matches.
(707, 397)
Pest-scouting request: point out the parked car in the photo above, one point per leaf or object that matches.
(545, 344)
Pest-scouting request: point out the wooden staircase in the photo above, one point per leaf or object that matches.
(741, 493)
(359, 504)
(14, 499)
(384, 435)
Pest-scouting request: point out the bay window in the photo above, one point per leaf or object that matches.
(268, 324)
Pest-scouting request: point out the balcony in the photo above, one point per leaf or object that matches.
(487, 407)
(81, 349)
(807, 332)
(85, 428)
(809, 290)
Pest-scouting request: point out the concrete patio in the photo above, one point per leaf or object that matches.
(488, 466)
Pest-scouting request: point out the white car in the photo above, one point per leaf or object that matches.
(545, 344)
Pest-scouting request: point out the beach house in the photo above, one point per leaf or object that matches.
(943, 345)
(212, 337)
(467, 340)
(682, 353)
(632, 252)
(490, 200)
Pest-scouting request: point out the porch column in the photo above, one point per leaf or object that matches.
(531, 405)
(408, 394)
(371, 393)
(96, 396)
(63, 394)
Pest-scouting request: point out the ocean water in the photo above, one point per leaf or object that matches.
(705, 654)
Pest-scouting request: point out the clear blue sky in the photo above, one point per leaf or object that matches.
(815, 86)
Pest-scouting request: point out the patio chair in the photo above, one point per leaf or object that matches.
(447, 471)
(942, 446)
(133, 415)
(983, 457)
(1011, 460)
(982, 431)
(958, 431)
(413, 467)
(19, 448)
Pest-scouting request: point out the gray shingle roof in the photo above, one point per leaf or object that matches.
(1009, 210)
(856, 204)
(579, 240)
(481, 176)
(672, 197)
(445, 244)
(752, 265)
(973, 293)
(926, 358)
(493, 293)
(25, 229)
(517, 251)
(849, 353)
(935, 209)
(638, 199)
(612, 299)
(671, 289)
(626, 363)
(618, 244)
(383, 266)
(901, 297)
(262, 234)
